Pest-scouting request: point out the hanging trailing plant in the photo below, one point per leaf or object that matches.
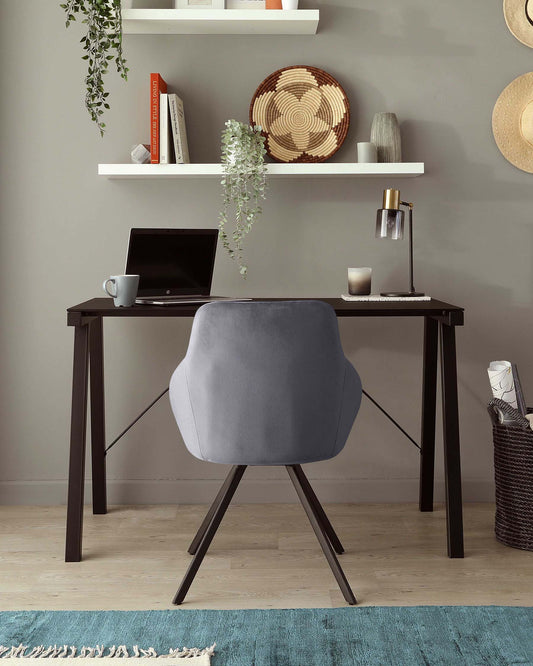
(102, 43)
(243, 183)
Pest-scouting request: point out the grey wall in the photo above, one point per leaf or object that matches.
(439, 66)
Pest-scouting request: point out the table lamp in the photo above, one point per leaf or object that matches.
(389, 224)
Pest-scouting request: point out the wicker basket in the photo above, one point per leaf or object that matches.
(513, 472)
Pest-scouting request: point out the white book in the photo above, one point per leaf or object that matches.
(164, 130)
(179, 132)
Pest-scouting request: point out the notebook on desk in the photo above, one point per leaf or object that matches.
(175, 265)
(379, 297)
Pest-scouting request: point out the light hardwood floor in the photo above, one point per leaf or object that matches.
(264, 556)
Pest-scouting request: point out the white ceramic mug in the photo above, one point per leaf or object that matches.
(289, 4)
(124, 289)
(359, 281)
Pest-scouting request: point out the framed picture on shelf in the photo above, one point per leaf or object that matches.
(199, 4)
(245, 4)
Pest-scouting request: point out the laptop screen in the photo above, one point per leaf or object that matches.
(174, 262)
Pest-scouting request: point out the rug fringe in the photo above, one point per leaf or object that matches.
(86, 652)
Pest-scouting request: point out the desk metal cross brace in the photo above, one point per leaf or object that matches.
(135, 420)
(372, 400)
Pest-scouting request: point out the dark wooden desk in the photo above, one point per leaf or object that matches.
(87, 319)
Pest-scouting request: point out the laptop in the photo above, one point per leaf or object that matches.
(175, 265)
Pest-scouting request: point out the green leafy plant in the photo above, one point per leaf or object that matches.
(243, 183)
(102, 43)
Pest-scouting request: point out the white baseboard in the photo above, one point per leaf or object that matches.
(202, 491)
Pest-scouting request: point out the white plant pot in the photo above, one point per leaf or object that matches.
(289, 4)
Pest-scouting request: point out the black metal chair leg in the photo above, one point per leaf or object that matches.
(209, 516)
(235, 477)
(327, 527)
(321, 535)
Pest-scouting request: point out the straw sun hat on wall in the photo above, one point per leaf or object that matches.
(519, 18)
(512, 122)
(512, 118)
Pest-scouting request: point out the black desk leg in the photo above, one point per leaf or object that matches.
(78, 427)
(452, 454)
(96, 375)
(429, 406)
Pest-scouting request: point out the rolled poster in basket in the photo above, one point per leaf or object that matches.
(502, 382)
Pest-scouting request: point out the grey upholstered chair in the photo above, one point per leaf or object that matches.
(265, 383)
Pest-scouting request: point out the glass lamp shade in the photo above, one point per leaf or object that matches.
(389, 224)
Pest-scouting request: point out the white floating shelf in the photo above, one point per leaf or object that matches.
(300, 170)
(220, 21)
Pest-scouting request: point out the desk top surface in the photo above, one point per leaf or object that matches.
(103, 307)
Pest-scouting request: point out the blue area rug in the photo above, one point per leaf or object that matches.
(429, 635)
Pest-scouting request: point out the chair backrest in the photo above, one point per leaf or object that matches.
(265, 383)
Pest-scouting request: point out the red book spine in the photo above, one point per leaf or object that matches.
(157, 86)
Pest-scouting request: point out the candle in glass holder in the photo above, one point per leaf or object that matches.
(359, 281)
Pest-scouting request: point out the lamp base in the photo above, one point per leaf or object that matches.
(403, 294)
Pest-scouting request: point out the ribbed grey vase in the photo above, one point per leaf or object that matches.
(385, 135)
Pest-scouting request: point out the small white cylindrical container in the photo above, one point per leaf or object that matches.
(367, 152)
(359, 281)
(289, 4)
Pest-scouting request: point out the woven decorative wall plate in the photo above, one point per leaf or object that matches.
(304, 114)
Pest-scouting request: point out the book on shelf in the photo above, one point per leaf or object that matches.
(165, 156)
(157, 86)
(179, 132)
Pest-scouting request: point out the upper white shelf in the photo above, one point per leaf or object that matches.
(299, 170)
(220, 21)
